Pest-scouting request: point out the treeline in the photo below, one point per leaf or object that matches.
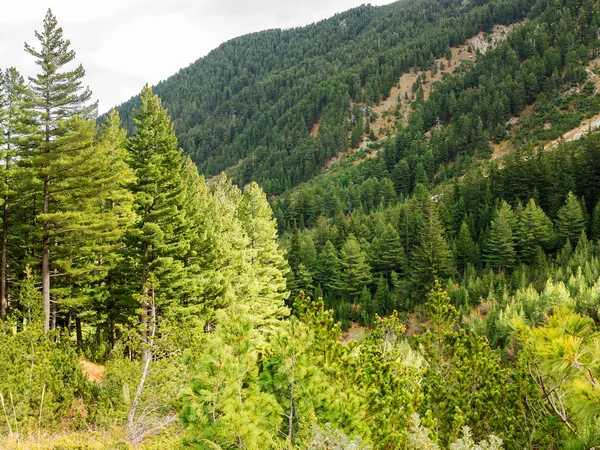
(251, 104)
(490, 226)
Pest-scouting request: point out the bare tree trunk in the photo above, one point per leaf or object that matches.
(69, 322)
(140, 387)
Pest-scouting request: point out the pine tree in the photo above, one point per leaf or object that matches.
(293, 255)
(386, 254)
(16, 126)
(328, 270)
(367, 308)
(157, 241)
(290, 374)
(595, 227)
(204, 286)
(501, 253)
(57, 97)
(534, 230)
(570, 221)
(356, 272)
(267, 263)
(383, 299)
(401, 177)
(464, 247)
(93, 219)
(225, 406)
(232, 259)
(432, 258)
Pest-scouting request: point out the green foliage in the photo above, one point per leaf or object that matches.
(564, 365)
(225, 405)
(432, 258)
(39, 375)
(570, 221)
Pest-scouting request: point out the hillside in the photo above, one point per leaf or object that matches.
(252, 103)
(422, 246)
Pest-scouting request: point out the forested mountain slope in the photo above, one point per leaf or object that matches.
(253, 102)
(435, 181)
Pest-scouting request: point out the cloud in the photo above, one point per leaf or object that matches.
(65, 10)
(152, 47)
(124, 44)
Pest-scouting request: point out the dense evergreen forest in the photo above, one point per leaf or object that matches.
(430, 283)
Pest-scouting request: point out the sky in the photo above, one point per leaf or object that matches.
(124, 44)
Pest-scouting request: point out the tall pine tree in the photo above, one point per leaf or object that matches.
(57, 96)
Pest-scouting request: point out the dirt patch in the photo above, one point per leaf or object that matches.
(212, 180)
(584, 128)
(401, 94)
(315, 129)
(94, 372)
(354, 333)
(413, 326)
(396, 108)
(499, 149)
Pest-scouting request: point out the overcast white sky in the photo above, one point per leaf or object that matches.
(123, 44)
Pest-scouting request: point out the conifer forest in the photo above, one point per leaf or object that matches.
(378, 231)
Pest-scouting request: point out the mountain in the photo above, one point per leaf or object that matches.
(251, 106)
(428, 244)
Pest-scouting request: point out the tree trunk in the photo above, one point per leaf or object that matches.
(140, 388)
(46, 261)
(69, 322)
(78, 332)
(113, 333)
(144, 315)
(52, 313)
(3, 262)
